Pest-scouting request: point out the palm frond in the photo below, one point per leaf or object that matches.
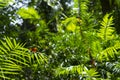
(12, 56)
(38, 57)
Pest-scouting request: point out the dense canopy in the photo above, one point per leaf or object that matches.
(59, 40)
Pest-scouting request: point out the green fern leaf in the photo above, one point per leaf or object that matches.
(110, 51)
(91, 73)
(106, 31)
(69, 70)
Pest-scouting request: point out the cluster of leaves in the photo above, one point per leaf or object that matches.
(97, 51)
(17, 62)
(82, 49)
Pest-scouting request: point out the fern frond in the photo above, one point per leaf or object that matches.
(110, 52)
(79, 69)
(106, 31)
(91, 73)
(68, 70)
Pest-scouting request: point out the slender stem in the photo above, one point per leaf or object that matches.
(79, 13)
(79, 8)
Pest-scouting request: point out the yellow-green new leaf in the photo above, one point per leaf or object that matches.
(28, 13)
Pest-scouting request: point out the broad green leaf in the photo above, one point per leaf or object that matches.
(28, 13)
(71, 27)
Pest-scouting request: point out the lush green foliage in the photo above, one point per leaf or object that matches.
(85, 45)
(5, 3)
(17, 62)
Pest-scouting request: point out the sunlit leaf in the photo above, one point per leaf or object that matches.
(28, 13)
